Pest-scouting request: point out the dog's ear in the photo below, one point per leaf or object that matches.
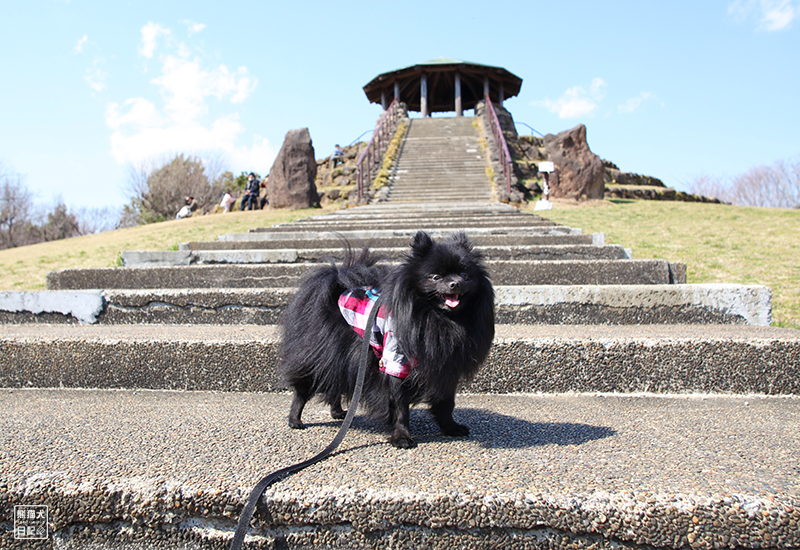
(460, 238)
(422, 243)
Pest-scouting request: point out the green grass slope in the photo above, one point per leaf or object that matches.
(719, 243)
(26, 267)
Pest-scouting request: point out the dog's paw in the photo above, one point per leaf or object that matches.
(338, 414)
(296, 424)
(402, 441)
(456, 430)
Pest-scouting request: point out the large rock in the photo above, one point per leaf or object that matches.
(291, 180)
(579, 172)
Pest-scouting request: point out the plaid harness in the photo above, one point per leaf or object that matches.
(355, 306)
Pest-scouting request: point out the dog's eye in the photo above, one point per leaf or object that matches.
(463, 276)
(435, 278)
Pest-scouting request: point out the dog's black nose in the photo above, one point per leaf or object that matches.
(454, 285)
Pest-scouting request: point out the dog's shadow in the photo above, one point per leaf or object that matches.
(501, 431)
(494, 430)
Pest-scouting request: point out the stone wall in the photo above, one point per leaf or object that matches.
(528, 151)
(518, 192)
(338, 184)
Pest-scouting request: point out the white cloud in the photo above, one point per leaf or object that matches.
(635, 102)
(778, 15)
(96, 79)
(576, 101)
(140, 114)
(185, 86)
(95, 76)
(150, 32)
(772, 15)
(193, 27)
(79, 44)
(186, 115)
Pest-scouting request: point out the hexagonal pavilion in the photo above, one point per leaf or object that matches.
(443, 85)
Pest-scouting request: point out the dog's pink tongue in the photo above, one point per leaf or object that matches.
(451, 300)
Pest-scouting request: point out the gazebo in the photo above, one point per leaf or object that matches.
(443, 85)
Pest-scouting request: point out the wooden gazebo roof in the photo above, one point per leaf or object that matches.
(440, 75)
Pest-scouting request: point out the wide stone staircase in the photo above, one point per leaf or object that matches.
(440, 159)
(620, 407)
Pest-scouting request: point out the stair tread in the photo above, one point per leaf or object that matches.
(264, 333)
(635, 465)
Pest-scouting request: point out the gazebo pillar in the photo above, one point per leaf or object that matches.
(383, 100)
(501, 98)
(485, 86)
(423, 95)
(459, 110)
(397, 91)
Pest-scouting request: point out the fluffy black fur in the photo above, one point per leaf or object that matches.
(442, 303)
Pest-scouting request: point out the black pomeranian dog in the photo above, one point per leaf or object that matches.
(433, 330)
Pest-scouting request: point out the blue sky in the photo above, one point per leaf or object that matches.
(673, 89)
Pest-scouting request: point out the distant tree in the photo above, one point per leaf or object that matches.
(60, 224)
(98, 219)
(773, 186)
(158, 189)
(776, 186)
(226, 182)
(16, 203)
(129, 217)
(709, 186)
(22, 222)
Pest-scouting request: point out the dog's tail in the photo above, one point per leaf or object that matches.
(359, 267)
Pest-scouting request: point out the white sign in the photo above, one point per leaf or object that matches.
(547, 166)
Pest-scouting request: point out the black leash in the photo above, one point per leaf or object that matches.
(247, 512)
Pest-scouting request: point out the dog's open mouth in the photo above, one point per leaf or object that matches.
(451, 300)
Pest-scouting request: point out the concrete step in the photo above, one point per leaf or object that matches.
(457, 167)
(437, 207)
(373, 221)
(439, 182)
(152, 469)
(467, 218)
(547, 305)
(452, 155)
(441, 188)
(402, 223)
(502, 272)
(388, 242)
(524, 358)
(409, 197)
(414, 212)
(442, 164)
(290, 255)
(414, 194)
(408, 232)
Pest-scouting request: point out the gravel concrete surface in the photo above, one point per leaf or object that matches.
(552, 359)
(551, 471)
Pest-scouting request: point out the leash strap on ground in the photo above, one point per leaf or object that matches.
(250, 507)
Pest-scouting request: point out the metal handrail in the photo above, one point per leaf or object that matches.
(365, 132)
(531, 128)
(500, 142)
(376, 147)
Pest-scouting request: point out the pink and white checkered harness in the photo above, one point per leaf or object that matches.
(355, 306)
